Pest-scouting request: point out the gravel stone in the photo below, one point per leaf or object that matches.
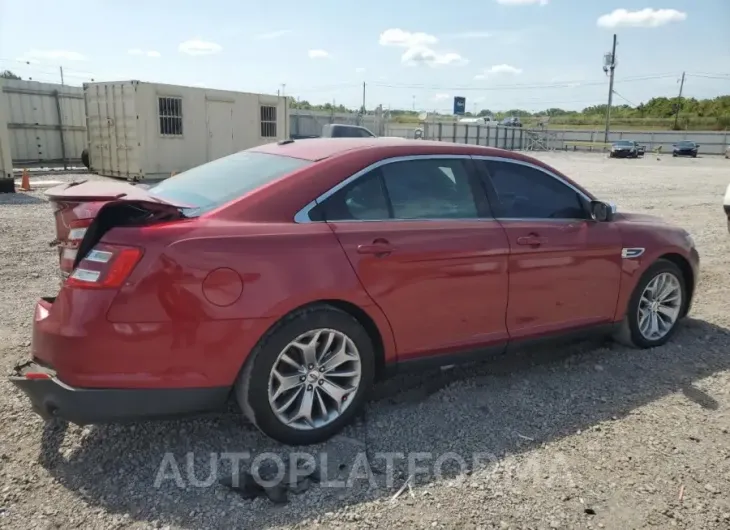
(589, 426)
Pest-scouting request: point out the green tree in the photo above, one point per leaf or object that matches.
(7, 74)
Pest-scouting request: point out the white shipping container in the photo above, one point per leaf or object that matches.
(142, 130)
(6, 162)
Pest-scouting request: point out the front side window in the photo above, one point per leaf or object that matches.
(524, 192)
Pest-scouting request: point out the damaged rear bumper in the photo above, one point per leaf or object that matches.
(51, 398)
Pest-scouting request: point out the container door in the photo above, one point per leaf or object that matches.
(114, 142)
(219, 121)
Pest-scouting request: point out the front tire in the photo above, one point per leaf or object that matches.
(307, 378)
(655, 307)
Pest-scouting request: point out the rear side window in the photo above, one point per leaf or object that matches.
(211, 185)
(362, 200)
(430, 189)
(413, 189)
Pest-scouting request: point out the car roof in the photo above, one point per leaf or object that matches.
(315, 149)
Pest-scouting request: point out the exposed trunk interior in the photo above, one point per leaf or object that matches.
(124, 213)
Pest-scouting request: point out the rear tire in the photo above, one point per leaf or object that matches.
(268, 366)
(633, 331)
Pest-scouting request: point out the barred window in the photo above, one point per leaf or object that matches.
(170, 111)
(268, 122)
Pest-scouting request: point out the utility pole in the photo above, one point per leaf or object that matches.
(363, 98)
(612, 67)
(679, 102)
(61, 68)
(414, 103)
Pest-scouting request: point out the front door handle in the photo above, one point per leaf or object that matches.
(532, 240)
(379, 248)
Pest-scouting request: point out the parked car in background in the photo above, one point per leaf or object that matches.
(624, 149)
(685, 148)
(726, 206)
(339, 130)
(641, 149)
(512, 122)
(254, 277)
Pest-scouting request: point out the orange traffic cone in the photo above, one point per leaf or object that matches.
(25, 181)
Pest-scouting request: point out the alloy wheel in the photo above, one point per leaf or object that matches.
(659, 306)
(314, 379)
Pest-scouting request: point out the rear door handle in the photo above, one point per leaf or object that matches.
(379, 247)
(532, 240)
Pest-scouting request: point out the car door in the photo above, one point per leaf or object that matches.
(564, 267)
(418, 234)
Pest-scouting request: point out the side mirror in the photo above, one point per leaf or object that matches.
(601, 211)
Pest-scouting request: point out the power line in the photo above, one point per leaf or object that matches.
(567, 84)
(626, 100)
(709, 76)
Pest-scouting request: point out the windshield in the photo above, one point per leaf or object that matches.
(213, 184)
(686, 144)
(625, 143)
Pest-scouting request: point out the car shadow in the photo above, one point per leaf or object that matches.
(495, 409)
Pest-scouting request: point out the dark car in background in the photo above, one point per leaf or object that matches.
(624, 149)
(512, 121)
(641, 149)
(685, 148)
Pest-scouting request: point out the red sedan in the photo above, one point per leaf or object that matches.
(292, 276)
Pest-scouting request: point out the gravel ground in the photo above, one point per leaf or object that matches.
(589, 436)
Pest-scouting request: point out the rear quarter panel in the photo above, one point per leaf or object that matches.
(264, 271)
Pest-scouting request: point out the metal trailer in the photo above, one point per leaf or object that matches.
(140, 130)
(6, 162)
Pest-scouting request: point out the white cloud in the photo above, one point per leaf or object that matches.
(273, 34)
(318, 54)
(440, 97)
(407, 39)
(418, 48)
(499, 69)
(51, 55)
(360, 70)
(643, 18)
(421, 55)
(198, 47)
(522, 2)
(147, 53)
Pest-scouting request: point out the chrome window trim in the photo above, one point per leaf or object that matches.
(302, 216)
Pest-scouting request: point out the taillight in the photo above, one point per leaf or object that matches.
(75, 236)
(105, 267)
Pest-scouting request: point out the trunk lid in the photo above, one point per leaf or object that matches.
(76, 206)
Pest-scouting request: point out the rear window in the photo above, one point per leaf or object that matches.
(213, 184)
